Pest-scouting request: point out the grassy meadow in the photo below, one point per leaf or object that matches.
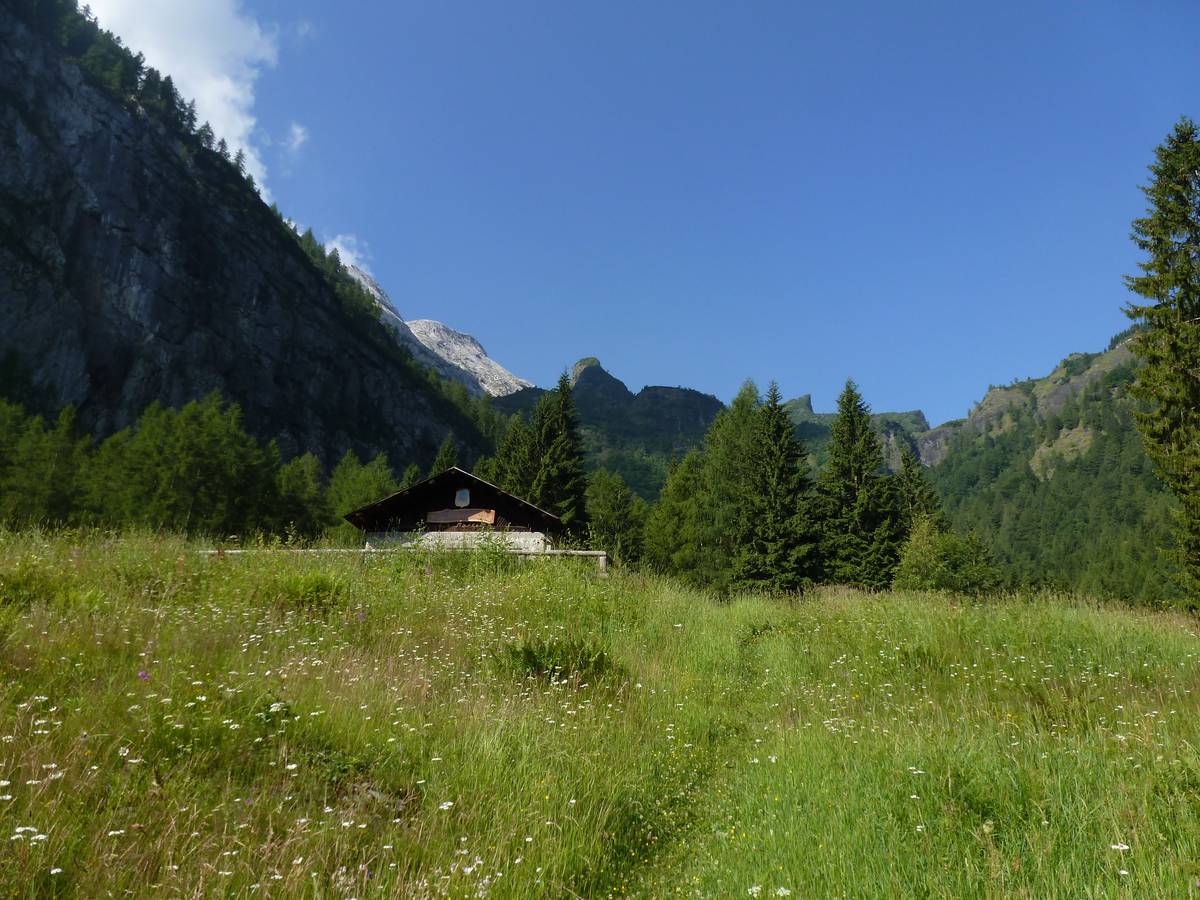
(280, 724)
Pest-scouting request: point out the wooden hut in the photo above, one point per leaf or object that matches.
(455, 509)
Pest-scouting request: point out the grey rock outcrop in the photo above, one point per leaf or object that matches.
(465, 353)
(452, 354)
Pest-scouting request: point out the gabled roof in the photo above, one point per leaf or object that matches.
(390, 506)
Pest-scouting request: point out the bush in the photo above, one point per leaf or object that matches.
(937, 560)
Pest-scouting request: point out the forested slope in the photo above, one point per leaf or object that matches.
(1052, 475)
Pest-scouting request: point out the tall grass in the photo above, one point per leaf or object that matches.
(279, 724)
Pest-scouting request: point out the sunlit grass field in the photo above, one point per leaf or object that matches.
(281, 724)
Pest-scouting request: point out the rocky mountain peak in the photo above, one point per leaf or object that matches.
(467, 354)
(586, 363)
(452, 354)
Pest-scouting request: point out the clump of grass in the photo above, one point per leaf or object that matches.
(558, 659)
(317, 592)
(26, 584)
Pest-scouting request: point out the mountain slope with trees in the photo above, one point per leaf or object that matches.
(633, 435)
(139, 261)
(1051, 474)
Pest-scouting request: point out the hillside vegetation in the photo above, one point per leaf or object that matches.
(178, 724)
(1052, 474)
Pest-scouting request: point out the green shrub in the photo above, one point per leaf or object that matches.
(937, 560)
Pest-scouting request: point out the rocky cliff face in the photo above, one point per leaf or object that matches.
(896, 430)
(134, 269)
(1040, 396)
(467, 355)
(452, 354)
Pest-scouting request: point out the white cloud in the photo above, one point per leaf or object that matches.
(303, 30)
(296, 138)
(352, 250)
(213, 51)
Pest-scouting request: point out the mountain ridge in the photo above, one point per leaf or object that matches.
(453, 354)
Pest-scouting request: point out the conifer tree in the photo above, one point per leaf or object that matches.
(195, 470)
(778, 541)
(516, 467)
(302, 504)
(412, 474)
(447, 455)
(1168, 382)
(917, 496)
(861, 537)
(353, 484)
(616, 516)
(669, 544)
(41, 473)
(718, 514)
(560, 485)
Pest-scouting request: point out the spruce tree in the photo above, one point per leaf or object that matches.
(777, 546)
(560, 485)
(718, 514)
(516, 467)
(669, 541)
(616, 516)
(917, 496)
(302, 505)
(195, 470)
(41, 476)
(1168, 382)
(447, 456)
(861, 536)
(352, 485)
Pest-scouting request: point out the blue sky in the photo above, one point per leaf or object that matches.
(930, 197)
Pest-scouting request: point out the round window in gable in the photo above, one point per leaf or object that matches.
(462, 497)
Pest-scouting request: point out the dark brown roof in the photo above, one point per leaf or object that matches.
(405, 510)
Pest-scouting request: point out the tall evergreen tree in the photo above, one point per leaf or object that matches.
(1169, 345)
(516, 467)
(861, 535)
(447, 456)
(353, 484)
(718, 514)
(778, 540)
(616, 516)
(670, 544)
(917, 496)
(41, 469)
(195, 470)
(412, 474)
(560, 485)
(302, 503)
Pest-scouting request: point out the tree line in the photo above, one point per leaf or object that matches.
(743, 512)
(195, 470)
(198, 470)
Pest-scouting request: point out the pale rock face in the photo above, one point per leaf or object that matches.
(450, 353)
(468, 354)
